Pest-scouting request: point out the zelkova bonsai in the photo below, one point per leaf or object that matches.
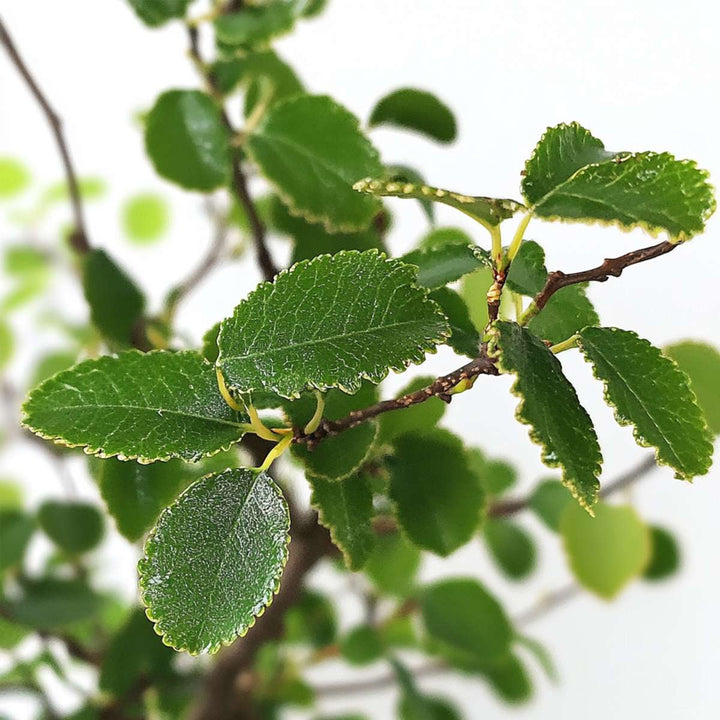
(185, 440)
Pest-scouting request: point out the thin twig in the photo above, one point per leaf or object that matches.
(79, 236)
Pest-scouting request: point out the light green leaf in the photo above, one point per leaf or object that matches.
(11, 634)
(465, 339)
(497, 475)
(438, 497)
(116, 303)
(51, 364)
(473, 291)
(421, 417)
(16, 529)
(701, 363)
(7, 343)
(417, 110)
(14, 177)
(157, 12)
(75, 527)
(567, 311)
(664, 555)
(527, 273)
(11, 495)
(607, 551)
(570, 176)
(135, 494)
(253, 25)
(486, 211)
(151, 406)
(186, 140)
(214, 560)
(335, 320)
(90, 188)
(311, 149)
(550, 406)
(548, 502)
(511, 546)
(461, 614)
(145, 218)
(393, 565)
(362, 645)
(443, 264)
(649, 392)
(443, 236)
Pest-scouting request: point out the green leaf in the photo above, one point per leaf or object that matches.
(664, 555)
(116, 304)
(473, 290)
(570, 176)
(362, 645)
(346, 509)
(145, 218)
(16, 529)
(75, 527)
(311, 620)
(187, 142)
(550, 406)
(701, 363)
(51, 364)
(509, 679)
(414, 705)
(47, 604)
(209, 348)
(548, 502)
(421, 417)
(497, 475)
(90, 188)
(465, 339)
(151, 406)
(253, 25)
(11, 495)
(157, 12)
(567, 311)
(542, 656)
(311, 149)
(461, 614)
(527, 273)
(214, 560)
(11, 634)
(7, 344)
(487, 211)
(393, 565)
(416, 110)
(438, 497)
(650, 392)
(405, 174)
(607, 551)
(336, 319)
(30, 269)
(442, 264)
(511, 546)
(14, 177)
(135, 494)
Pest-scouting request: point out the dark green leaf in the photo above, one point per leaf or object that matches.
(542, 656)
(548, 501)
(311, 149)
(362, 645)
(416, 110)
(509, 679)
(497, 475)
(214, 560)
(16, 529)
(567, 311)
(151, 406)
(75, 527)
(47, 604)
(465, 339)
(158, 12)
(443, 264)
(116, 303)
(550, 406)
(511, 546)
(311, 620)
(463, 615)
(209, 349)
(420, 417)
(527, 272)
(701, 363)
(414, 705)
(393, 565)
(649, 392)
(438, 497)
(186, 140)
(664, 555)
(336, 319)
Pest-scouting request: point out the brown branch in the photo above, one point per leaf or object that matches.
(79, 237)
(441, 388)
(611, 267)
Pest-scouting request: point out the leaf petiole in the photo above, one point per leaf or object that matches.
(276, 452)
(259, 428)
(227, 397)
(518, 237)
(314, 421)
(568, 344)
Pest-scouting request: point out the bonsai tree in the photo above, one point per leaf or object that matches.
(241, 462)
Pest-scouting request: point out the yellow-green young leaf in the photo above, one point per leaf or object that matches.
(664, 555)
(135, 494)
(362, 645)
(213, 562)
(421, 417)
(461, 614)
(437, 496)
(311, 149)
(75, 527)
(145, 218)
(393, 565)
(253, 25)
(550, 406)
(570, 176)
(486, 211)
(116, 303)
(16, 529)
(152, 406)
(701, 363)
(157, 12)
(607, 551)
(548, 502)
(511, 546)
(11, 634)
(345, 508)
(465, 339)
(7, 343)
(649, 392)
(442, 264)
(567, 311)
(186, 140)
(417, 110)
(14, 177)
(11, 495)
(90, 188)
(334, 320)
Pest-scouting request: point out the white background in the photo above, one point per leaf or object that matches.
(640, 74)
